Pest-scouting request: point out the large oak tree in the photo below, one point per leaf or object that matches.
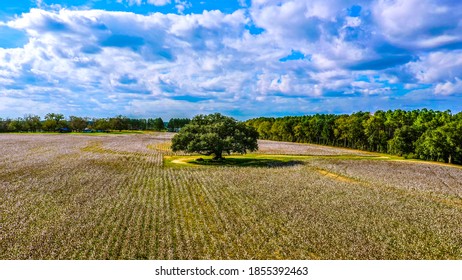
(214, 134)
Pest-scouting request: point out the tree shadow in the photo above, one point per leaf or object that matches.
(246, 162)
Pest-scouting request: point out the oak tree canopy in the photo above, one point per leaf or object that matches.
(214, 134)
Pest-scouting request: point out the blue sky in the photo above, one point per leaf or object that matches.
(179, 58)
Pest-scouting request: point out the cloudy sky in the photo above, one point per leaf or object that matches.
(178, 58)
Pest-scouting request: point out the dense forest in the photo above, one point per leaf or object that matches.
(57, 122)
(423, 134)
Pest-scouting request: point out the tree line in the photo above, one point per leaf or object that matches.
(422, 134)
(54, 122)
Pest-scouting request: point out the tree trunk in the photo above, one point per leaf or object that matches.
(218, 155)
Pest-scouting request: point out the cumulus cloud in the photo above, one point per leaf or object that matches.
(278, 56)
(420, 24)
(436, 67)
(166, 55)
(449, 87)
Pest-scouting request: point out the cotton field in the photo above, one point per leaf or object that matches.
(78, 196)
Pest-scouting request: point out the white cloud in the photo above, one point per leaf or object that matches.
(170, 54)
(23, 106)
(437, 67)
(352, 22)
(449, 88)
(134, 2)
(413, 23)
(135, 63)
(159, 2)
(242, 3)
(182, 5)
